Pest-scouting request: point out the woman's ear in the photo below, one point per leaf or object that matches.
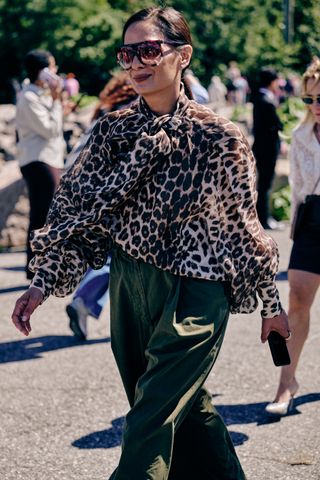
(185, 55)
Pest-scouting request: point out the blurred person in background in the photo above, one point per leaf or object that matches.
(266, 145)
(232, 73)
(71, 85)
(217, 92)
(241, 90)
(117, 94)
(39, 120)
(304, 264)
(237, 85)
(199, 92)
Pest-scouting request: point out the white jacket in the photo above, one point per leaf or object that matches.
(304, 158)
(39, 122)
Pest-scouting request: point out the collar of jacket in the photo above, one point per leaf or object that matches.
(178, 112)
(270, 96)
(32, 87)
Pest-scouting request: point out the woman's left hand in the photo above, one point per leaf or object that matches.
(24, 307)
(279, 324)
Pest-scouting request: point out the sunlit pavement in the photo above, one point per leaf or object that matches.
(62, 403)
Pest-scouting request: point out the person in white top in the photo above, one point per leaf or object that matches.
(304, 265)
(217, 92)
(39, 120)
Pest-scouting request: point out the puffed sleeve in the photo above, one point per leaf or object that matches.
(254, 255)
(71, 240)
(79, 228)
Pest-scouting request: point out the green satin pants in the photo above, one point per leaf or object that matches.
(166, 333)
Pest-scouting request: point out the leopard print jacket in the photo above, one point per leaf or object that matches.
(176, 191)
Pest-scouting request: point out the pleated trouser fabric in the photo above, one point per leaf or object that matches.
(166, 333)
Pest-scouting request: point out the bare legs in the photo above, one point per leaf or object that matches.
(303, 287)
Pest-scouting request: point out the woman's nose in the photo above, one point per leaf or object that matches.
(136, 62)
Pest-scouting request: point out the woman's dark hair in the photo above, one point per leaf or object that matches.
(169, 21)
(35, 61)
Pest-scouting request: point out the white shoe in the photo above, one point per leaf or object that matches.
(78, 313)
(280, 408)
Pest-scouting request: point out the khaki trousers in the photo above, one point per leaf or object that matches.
(166, 332)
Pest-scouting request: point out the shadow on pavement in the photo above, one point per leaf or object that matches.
(33, 348)
(104, 438)
(111, 437)
(14, 269)
(19, 288)
(254, 412)
(241, 414)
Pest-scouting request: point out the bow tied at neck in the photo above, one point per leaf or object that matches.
(167, 128)
(167, 123)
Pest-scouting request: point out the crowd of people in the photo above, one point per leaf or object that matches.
(159, 207)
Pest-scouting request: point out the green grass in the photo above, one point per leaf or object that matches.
(281, 203)
(291, 111)
(85, 100)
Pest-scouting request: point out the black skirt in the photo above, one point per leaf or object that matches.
(305, 253)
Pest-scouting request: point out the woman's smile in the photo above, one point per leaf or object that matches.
(140, 77)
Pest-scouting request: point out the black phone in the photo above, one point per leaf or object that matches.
(279, 351)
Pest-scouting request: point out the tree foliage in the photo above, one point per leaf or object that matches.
(83, 35)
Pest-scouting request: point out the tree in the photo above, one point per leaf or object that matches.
(82, 35)
(79, 34)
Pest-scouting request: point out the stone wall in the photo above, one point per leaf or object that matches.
(14, 205)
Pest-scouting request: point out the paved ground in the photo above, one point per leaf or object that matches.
(62, 404)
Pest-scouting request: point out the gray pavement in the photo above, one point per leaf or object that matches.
(62, 403)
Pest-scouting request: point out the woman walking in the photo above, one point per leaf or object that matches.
(304, 265)
(170, 185)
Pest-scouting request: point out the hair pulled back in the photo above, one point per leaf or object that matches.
(170, 22)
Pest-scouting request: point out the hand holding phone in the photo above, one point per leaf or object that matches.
(278, 348)
(50, 78)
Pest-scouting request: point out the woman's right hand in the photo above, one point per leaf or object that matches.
(278, 324)
(24, 307)
(56, 91)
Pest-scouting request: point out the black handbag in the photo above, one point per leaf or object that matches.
(307, 213)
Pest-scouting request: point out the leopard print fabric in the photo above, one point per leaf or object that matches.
(176, 191)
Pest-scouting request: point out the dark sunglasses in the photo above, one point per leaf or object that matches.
(148, 53)
(309, 100)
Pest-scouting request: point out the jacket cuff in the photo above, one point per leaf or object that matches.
(42, 282)
(269, 295)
